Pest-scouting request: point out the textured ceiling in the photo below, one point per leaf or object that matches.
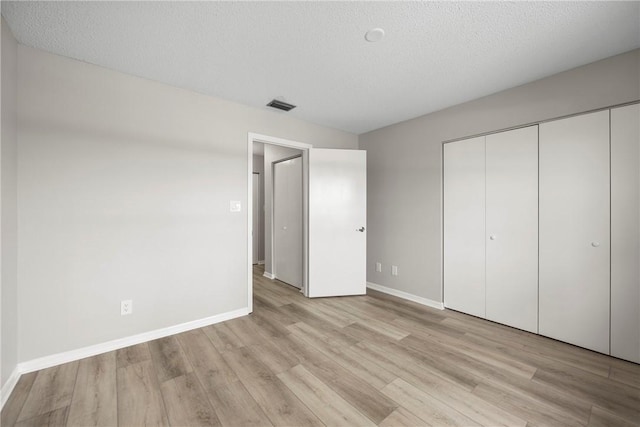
(313, 54)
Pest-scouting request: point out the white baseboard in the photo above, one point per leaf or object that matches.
(8, 387)
(269, 275)
(261, 262)
(81, 353)
(404, 295)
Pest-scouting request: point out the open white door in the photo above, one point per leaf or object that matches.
(337, 221)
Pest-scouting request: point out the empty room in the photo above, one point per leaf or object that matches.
(320, 213)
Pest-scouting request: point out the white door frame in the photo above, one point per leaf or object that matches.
(255, 137)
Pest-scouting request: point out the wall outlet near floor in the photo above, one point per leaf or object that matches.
(394, 270)
(378, 267)
(126, 307)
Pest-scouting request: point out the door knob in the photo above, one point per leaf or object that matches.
(595, 244)
(493, 237)
(361, 229)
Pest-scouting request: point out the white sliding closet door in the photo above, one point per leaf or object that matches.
(464, 226)
(625, 232)
(512, 228)
(574, 230)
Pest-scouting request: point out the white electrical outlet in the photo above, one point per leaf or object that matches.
(126, 307)
(235, 206)
(378, 267)
(394, 270)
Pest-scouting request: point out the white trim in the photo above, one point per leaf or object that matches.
(8, 387)
(81, 353)
(404, 295)
(261, 262)
(269, 275)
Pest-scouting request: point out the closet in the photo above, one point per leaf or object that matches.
(542, 229)
(491, 227)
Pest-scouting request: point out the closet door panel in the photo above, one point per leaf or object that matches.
(512, 228)
(574, 230)
(464, 225)
(625, 232)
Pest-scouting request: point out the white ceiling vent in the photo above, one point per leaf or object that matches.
(281, 105)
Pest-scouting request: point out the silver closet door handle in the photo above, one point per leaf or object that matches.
(493, 237)
(595, 244)
(361, 229)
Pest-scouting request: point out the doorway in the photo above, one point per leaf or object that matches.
(334, 219)
(288, 149)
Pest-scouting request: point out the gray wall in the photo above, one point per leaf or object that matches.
(123, 193)
(8, 229)
(258, 166)
(404, 173)
(272, 153)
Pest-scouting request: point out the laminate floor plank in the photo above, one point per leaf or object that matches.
(346, 357)
(94, 401)
(325, 403)
(267, 326)
(414, 362)
(236, 407)
(169, 358)
(55, 418)
(603, 418)
(279, 403)
(456, 396)
(535, 412)
(272, 355)
(140, 401)
(246, 331)
(132, 354)
(626, 377)
(402, 417)
(186, 402)
(363, 396)
(487, 373)
(595, 389)
(16, 401)
(51, 390)
(425, 406)
(210, 367)
(303, 315)
(222, 337)
(336, 361)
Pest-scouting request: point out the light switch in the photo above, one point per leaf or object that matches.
(235, 206)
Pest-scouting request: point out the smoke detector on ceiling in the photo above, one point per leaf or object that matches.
(374, 35)
(281, 105)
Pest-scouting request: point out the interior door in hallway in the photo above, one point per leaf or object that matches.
(287, 221)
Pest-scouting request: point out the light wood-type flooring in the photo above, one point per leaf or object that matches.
(351, 361)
